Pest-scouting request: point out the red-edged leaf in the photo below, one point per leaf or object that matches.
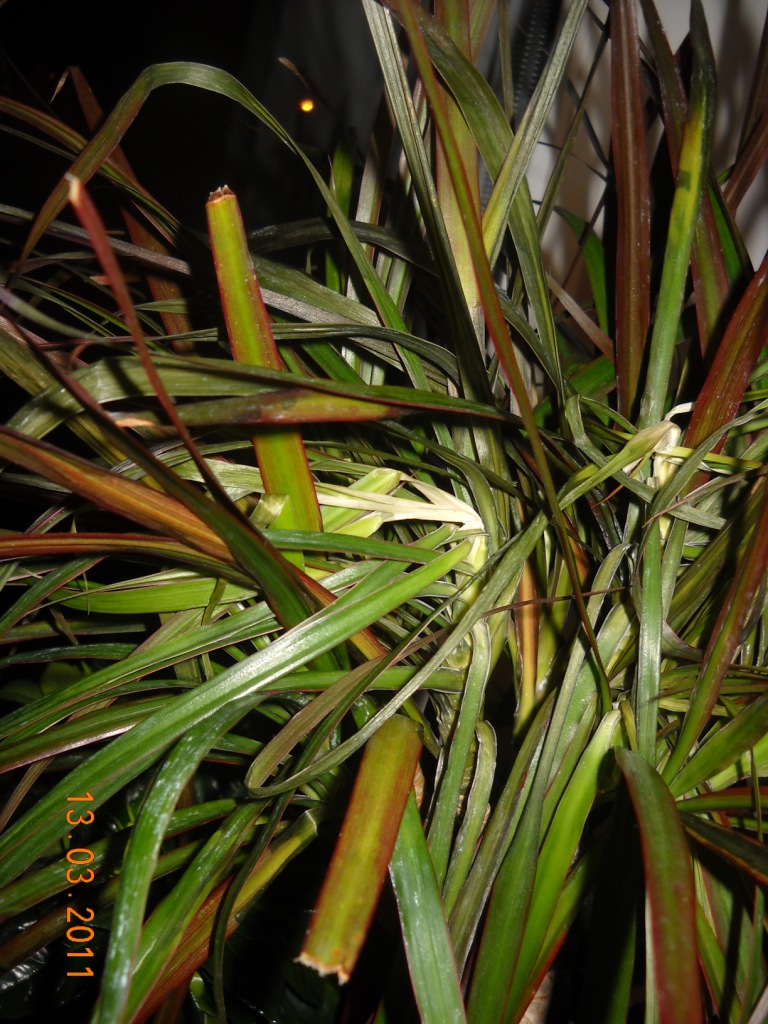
(727, 636)
(279, 453)
(736, 357)
(40, 545)
(134, 501)
(708, 265)
(670, 889)
(162, 288)
(359, 866)
(628, 135)
(749, 164)
(745, 853)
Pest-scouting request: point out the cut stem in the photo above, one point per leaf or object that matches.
(279, 452)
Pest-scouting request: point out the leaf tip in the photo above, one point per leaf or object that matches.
(220, 193)
(324, 968)
(75, 188)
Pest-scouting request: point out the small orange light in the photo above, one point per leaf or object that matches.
(307, 105)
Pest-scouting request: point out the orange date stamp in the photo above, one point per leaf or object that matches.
(78, 873)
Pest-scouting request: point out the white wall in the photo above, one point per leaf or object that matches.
(735, 28)
(327, 39)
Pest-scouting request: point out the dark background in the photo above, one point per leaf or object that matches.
(180, 144)
(186, 142)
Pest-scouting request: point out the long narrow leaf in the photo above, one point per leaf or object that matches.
(633, 271)
(359, 866)
(237, 687)
(280, 453)
(694, 160)
(431, 961)
(670, 892)
(139, 863)
(726, 638)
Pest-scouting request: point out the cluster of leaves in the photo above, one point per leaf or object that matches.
(280, 517)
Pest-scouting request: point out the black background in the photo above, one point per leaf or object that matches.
(178, 145)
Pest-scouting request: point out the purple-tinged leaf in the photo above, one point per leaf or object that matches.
(736, 357)
(633, 266)
(749, 164)
(708, 265)
(758, 92)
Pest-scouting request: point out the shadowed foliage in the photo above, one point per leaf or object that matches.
(365, 563)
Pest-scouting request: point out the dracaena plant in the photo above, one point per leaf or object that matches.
(416, 571)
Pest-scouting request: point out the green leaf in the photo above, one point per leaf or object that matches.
(280, 453)
(449, 788)
(691, 177)
(593, 251)
(233, 690)
(140, 860)
(747, 854)
(194, 949)
(358, 869)
(504, 983)
(431, 961)
(171, 919)
(647, 685)
(724, 748)
(726, 638)
(670, 892)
